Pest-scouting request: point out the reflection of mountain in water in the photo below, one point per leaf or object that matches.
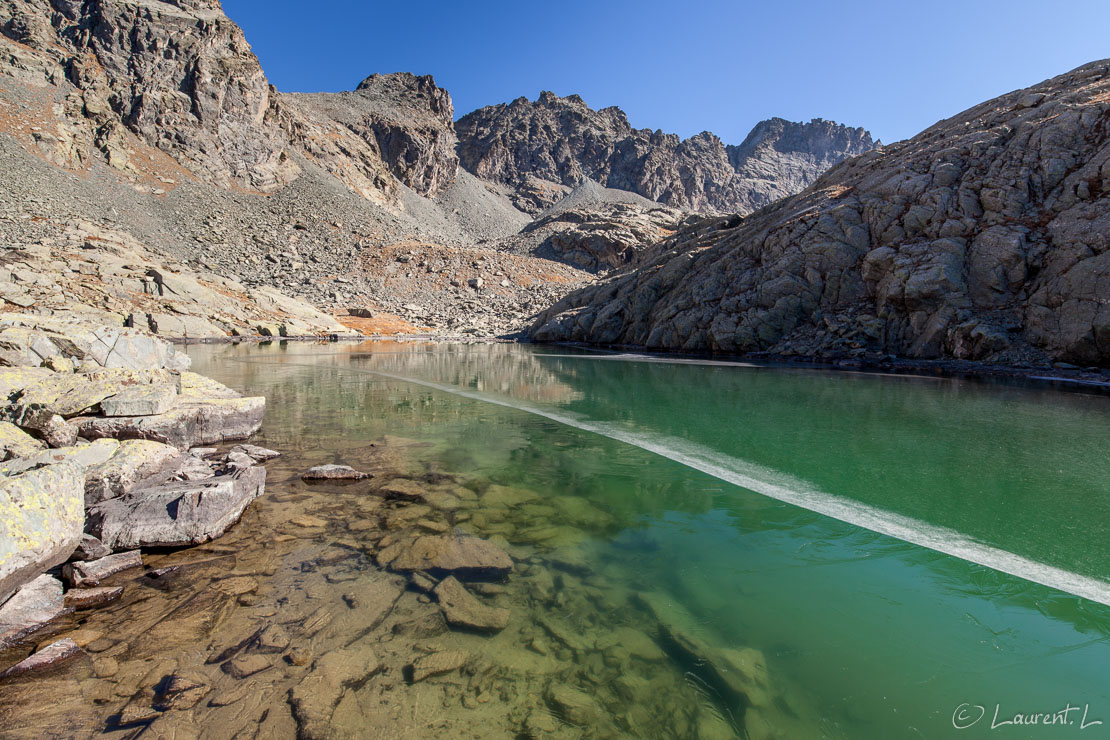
(490, 368)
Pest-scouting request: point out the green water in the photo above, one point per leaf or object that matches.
(865, 635)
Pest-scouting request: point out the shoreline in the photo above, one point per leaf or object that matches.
(1067, 378)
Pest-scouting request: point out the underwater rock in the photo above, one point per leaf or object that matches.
(50, 655)
(459, 555)
(738, 675)
(461, 609)
(435, 664)
(313, 700)
(334, 472)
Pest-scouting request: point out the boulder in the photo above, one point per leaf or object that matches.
(90, 598)
(14, 442)
(134, 461)
(90, 548)
(461, 609)
(334, 472)
(50, 428)
(435, 664)
(84, 456)
(177, 513)
(83, 573)
(460, 555)
(127, 348)
(32, 606)
(191, 424)
(256, 453)
(50, 655)
(41, 517)
(143, 400)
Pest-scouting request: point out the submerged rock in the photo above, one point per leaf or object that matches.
(313, 700)
(435, 664)
(461, 609)
(50, 655)
(176, 513)
(41, 516)
(738, 675)
(459, 555)
(334, 472)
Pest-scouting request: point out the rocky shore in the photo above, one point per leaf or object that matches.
(103, 435)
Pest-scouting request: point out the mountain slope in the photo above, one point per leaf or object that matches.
(985, 237)
(542, 147)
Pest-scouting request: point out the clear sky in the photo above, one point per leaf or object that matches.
(891, 66)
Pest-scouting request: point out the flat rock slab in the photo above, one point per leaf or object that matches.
(313, 700)
(42, 513)
(14, 442)
(176, 514)
(463, 556)
(258, 454)
(80, 574)
(739, 676)
(436, 664)
(334, 472)
(30, 608)
(90, 598)
(50, 655)
(136, 460)
(86, 455)
(140, 400)
(191, 424)
(461, 609)
(246, 665)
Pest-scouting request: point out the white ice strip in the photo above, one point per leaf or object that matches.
(793, 491)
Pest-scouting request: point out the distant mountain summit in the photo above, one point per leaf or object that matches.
(540, 148)
(986, 237)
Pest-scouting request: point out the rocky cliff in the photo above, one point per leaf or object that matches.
(541, 147)
(985, 237)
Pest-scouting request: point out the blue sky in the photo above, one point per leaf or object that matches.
(892, 67)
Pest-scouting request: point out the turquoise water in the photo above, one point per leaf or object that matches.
(896, 547)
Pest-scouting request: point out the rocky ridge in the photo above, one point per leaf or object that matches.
(983, 238)
(543, 147)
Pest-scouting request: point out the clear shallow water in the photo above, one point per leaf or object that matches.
(865, 635)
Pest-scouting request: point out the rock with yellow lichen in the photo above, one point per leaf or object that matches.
(42, 515)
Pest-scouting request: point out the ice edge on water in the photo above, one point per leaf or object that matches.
(796, 492)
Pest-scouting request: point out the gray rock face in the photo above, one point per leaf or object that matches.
(562, 141)
(405, 118)
(982, 238)
(179, 76)
(175, 514)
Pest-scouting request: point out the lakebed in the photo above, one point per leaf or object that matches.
(699, 549)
